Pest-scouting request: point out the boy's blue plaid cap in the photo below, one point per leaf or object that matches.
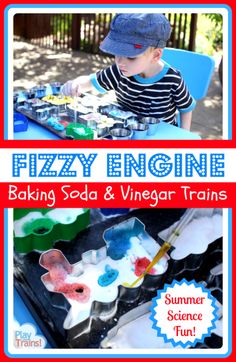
(131, 34)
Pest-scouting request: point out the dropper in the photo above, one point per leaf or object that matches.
(75, 110)
(167, 244)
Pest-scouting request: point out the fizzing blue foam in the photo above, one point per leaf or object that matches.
(118, 247)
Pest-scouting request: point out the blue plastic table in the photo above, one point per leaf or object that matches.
(164, 132)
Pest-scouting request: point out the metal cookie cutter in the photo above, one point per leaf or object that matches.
(102, 301)
(41, 228)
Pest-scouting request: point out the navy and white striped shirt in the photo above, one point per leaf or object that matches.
(159, 96)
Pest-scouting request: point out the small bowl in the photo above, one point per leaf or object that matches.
(152, 124)
(139, 130)
(102, 130)
(120, 133)
(117, 125)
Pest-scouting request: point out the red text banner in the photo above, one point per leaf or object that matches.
(111, 195)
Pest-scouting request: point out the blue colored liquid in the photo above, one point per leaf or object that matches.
(118, 247)
(108, 277)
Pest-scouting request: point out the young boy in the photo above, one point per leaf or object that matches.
(143, 82)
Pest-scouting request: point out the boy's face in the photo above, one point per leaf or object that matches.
(138, 65)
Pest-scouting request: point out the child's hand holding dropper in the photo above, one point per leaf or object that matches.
(77, 86)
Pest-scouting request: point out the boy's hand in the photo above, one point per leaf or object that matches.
(72, 88)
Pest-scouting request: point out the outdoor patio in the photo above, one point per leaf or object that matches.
(34, 65)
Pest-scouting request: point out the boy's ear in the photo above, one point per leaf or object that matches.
(157, 54)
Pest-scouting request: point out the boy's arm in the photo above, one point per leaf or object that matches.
(77, 86)
(185, 120)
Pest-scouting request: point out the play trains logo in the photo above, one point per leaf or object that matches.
(25, 336)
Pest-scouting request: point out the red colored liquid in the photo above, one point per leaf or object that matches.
(141, 265)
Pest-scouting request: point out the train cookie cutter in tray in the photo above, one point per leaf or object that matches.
(40, 112)
(193, 262)
(128, 330)
(45, 101)
(47, 107)
(131, 334)
(213, 283)
(108, 268)
(39, 229)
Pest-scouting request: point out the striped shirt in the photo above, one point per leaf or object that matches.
(159, 96)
